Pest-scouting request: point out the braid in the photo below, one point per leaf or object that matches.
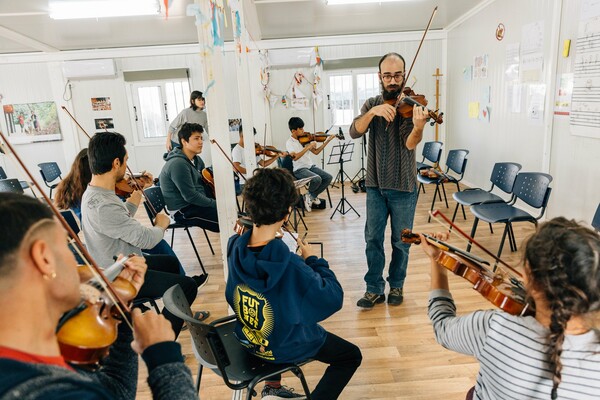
(563, 262)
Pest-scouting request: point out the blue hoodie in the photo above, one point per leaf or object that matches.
(279, 298)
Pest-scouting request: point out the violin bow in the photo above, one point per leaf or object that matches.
(235, 170)
(90, 263)
(437, 213)
(135, 182)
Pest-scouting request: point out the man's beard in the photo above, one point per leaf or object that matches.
(391, 94)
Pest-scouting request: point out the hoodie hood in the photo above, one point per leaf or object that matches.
(175, 153)
(261, 271)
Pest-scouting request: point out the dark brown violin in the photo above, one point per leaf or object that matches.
(128, 185)
(269, 151)
(506, 294)
(319, 137)
(209, 179)
(405, 106)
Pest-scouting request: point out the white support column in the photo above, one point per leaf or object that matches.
(244, 92)
(212, 67)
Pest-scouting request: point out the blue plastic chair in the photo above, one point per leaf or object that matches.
(11, 186)
(457, 163)
(503, 177)
(24, 184)
(596, 220)
(50, 172)
(530, 187)
(432, 152)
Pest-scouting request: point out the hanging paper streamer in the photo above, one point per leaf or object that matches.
(217, 22)
(298, 77)
(315, 58)
(284, 101)
(193, 10)
(210, 85)
(167, 4)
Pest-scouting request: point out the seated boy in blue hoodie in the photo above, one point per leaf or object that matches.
(279, 297)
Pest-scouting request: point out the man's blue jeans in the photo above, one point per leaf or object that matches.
(400, 207)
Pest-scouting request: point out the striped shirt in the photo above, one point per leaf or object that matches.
(513, 355)
(390, 164)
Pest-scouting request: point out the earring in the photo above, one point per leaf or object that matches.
(50, 277)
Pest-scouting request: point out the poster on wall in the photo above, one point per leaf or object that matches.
(584, 116)
(234, 125)
(104, 123)
(101, 104)
(480, 66)
(564, 91)
(511, 71)
(536, 94)
(32, 122)
(532, 55)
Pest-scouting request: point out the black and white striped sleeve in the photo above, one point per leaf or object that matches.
(466, 334)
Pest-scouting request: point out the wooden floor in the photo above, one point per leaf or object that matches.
(401, 359)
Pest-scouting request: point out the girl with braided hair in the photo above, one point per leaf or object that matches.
(554, 355)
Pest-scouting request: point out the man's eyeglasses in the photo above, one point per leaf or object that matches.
(388, 77)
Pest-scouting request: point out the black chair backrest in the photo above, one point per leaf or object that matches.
(432, 151)
(504, 175)
(596, 220)
(71, 220)
(10, 185)
(2, 173)
(50, 171)
(156, 199)
(457, 161)
(175, 301)
(533, 188)
(287, 163)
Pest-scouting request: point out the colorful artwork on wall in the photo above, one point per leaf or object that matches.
(32, 122)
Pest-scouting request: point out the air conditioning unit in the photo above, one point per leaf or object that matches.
(89, 69)
(290, 58)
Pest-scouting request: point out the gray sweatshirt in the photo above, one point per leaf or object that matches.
(181, 182)
(109, 228)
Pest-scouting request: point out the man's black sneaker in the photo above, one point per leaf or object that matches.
(395, 297)
(200, 280)
(370, 299)
(282, 392)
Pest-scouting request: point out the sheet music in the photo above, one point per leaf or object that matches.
(585, 103)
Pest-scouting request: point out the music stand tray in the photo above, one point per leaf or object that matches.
(339, 155)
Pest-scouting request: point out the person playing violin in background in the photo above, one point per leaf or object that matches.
(293, 293)
(185, 192)
(237, 156)
(391, 181)
(552, 355)
(39, 282)
(109, 226)
(304, 167)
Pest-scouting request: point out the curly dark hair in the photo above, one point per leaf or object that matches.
(563, 263)
(70, 190)
(269, 194)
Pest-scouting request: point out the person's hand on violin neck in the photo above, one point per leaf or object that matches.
(429, 249)
(149, 328)
(162, 221)
(420, 116)
(439, 275)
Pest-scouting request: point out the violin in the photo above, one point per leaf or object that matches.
(86, 333)
(269, 151)
(319, 137)
(508, 295)
(209, 179)
(404, 106)
(128, 185)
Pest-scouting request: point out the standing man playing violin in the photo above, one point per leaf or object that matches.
(304, 167)
(38, 284)
(391, 181)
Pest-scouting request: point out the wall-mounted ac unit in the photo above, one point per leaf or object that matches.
(89, 69)
(290, 58)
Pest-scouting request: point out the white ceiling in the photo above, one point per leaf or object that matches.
(26, 27)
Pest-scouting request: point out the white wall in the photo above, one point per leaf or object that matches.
(510, 136)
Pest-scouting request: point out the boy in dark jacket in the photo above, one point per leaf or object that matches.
(279, 297)
(182, 185)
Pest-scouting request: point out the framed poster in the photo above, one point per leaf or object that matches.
(32, 122)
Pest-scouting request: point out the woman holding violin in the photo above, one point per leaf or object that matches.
(552, 355)
(40, 282)
(391, 181)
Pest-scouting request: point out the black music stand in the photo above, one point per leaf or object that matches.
(339, 155)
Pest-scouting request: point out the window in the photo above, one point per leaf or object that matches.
(347, 94)
(155, 105)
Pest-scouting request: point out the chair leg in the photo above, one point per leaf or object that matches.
(329, 197)
(433, 201)
(445, 198)
(421, 186)
(298, 372)
(511, 238)
(473, 230)
(209, 243)
(491, 229)
(172, 237)
(199, 378)
(506, 231)
(195, 250)
(455, 211)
